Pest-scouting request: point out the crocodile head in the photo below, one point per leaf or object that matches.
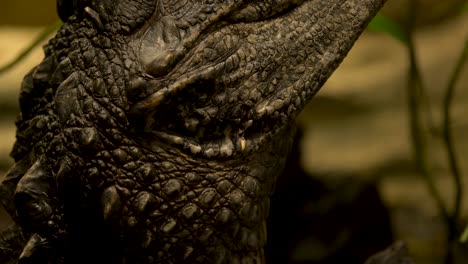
(153, 131)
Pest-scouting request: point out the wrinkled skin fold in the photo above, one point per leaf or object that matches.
(153, 131)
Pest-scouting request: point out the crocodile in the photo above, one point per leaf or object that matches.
(154, 131)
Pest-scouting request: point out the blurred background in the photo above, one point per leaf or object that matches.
(355, 130)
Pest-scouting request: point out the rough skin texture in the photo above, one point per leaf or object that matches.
(395, 254)
(153, 131)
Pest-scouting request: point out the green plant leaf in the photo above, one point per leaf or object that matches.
(36, 42)
(381, 23)
(464, 236)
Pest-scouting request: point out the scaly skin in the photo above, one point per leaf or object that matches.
(153, 131)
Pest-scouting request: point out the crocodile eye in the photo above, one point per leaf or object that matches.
(65, 8)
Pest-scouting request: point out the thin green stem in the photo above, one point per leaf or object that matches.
(417, 133)
(39, 39)
(415, 91)
(464, 236)
(447, 131)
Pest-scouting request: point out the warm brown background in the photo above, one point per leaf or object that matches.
(27, 12)
(358, 122)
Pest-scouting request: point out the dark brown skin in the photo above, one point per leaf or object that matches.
(395, 254)
(153, 131)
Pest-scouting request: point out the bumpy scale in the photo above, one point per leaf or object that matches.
(153, 131)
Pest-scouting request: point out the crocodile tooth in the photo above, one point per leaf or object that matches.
(32, 251)
(94, 16)
(110, 201)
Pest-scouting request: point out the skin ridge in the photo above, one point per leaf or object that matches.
(157, 138)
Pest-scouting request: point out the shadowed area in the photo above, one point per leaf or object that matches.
(357, 127)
